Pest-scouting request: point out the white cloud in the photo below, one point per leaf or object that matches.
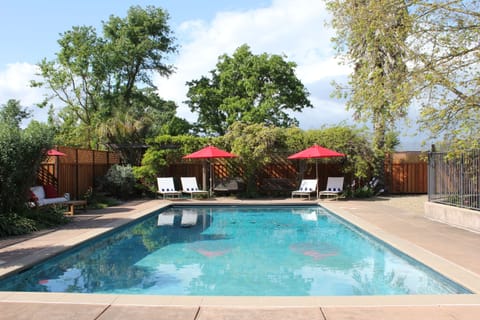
(15, 84)
(294, 28)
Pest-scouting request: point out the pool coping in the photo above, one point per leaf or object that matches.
(449, 269)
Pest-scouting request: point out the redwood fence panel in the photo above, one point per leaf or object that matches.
(76, 172)
(407, 178)
(406, 173)
(79, 170)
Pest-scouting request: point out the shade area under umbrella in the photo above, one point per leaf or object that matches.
(209, 152)
(316, 152)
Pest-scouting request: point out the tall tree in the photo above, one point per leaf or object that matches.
(249, 88)
(371, 36)
(98, 77)
(21, 154)
(445, 49)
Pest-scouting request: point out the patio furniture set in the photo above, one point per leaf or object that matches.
(47, 196)
(166, 188)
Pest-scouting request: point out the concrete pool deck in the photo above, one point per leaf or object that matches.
(397, 220)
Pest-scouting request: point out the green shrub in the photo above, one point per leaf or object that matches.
(30, 220)
(119, 181)
(364, 192)
(21, 154)
(48, 216)
(22, 151)
(14, 224)
(98, 200)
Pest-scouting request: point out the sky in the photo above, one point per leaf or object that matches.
(204, 30)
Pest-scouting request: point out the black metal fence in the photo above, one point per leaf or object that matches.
(454, 180)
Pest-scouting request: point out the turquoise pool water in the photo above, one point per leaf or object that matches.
(235, 250)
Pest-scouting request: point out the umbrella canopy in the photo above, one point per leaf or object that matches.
(209, 152)
(316, 152)
(54, 152)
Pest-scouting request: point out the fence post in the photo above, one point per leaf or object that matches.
(76, 173)
(430, 175)
(93, 168)
(462, 178)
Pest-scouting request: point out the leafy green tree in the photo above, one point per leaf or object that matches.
(127, 130)
(98, 78)
(371, 36)
(445, 53)
(248, 88)
(254, 144)
(163, 151)
(349, 140)
(21, 153)
(12, 113)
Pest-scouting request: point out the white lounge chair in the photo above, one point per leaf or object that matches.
(166, 188)
(189, 218)
(334, 187)
(189, 185)
(307, 187)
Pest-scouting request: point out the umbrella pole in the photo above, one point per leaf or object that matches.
(211, 180)
(316, 173)
(204, 175)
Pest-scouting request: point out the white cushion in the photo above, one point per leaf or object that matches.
(39, 192)
(46, 201)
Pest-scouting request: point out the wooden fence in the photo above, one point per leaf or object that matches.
(405, 172)
(76, 172)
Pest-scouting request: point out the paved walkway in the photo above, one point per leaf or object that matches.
(398, 219)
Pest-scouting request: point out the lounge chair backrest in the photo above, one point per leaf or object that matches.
(165, 184)
(189, 184)
(334, 184)
(308, 185)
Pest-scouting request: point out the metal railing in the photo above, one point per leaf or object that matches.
(454, 180)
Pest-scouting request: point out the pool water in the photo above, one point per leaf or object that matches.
(235, 250)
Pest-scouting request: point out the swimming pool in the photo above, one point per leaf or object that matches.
(235, 250)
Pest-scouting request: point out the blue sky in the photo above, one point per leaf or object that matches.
(29, 30)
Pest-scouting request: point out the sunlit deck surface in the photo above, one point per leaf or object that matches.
(397, 220)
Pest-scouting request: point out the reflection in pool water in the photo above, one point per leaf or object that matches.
(234, 250)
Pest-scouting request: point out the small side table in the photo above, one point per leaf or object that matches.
(75, 203)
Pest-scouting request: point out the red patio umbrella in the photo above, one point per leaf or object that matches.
(316, 152)
(209, 152)
(54, 152)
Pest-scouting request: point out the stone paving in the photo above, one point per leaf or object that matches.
(399, 219)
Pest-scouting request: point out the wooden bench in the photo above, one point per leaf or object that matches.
(75, 203)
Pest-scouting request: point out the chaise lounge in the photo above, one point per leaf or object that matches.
(334, 187)
(189, 185)
(166, 188)
(307, 187)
